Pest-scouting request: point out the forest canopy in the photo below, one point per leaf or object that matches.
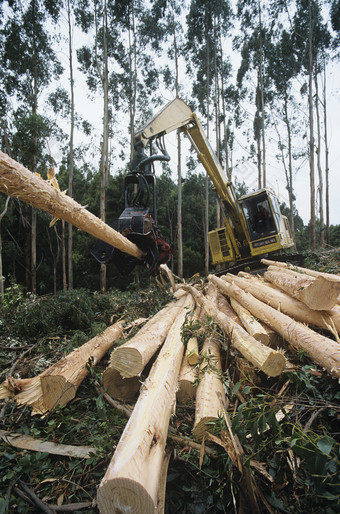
(124, 60)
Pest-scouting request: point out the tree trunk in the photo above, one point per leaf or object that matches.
(132, 480)
(131, 358)
(264, 173)
(329, 320)
(311, 131)
(17, 181)
(326, 156)
(269, 361)
(318, 153)
(210, 390)
(317, 293)
(71, 158)
(2, 278)
(325, 352)
(58, 384)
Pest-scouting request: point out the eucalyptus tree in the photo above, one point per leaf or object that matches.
(94, 62)
(204, 21)
(166, 16)
(283, 64)
(312, 41)
(31, 65)
(252, 42)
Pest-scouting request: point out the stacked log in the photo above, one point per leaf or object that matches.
(132, 480)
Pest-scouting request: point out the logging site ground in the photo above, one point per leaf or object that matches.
(273, 445)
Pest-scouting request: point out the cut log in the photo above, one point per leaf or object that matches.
(192, 355)
(210, 388)
(131, 482)
(322, 350)
(131, 357)
(328, 320)
(18, 181)
(317, 293)
(187, 381)
(252, 326)
(267, 360)
(124, 389)
(58, 384)
(311, 272)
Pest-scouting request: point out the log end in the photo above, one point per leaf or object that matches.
(203, 426)
(124, 389)
(274, 364)
(128, 361)
(56, 391)
(186, 391)
(120, 495)
(322, 294)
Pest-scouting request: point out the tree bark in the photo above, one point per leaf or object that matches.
(132, 480)
(17, 181)
(322, 350)
(306, 271)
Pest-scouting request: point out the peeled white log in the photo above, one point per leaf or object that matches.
(131, 482)
(210, 388)
(18, 181)
(267, 360)
(58, 384)
(311, 272)
(188, 375)
(317, 293)
(329, 320)
(324, 351)
(252, 326)
(131, 357)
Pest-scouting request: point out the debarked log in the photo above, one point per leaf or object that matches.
(210, 388)
(269, 361)
(324, 351)
(317, 293)
(131, 357)
(58, 384)
(18, 181)
(132, 480)
(328, 320)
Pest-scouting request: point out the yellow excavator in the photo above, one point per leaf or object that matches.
(252, 225)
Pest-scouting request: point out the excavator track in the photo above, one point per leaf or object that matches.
(254, 266)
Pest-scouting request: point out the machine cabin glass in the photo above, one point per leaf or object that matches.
(260, 216)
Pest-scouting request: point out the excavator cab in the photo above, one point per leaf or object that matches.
(138, 221)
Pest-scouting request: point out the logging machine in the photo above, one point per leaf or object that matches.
(252, 225)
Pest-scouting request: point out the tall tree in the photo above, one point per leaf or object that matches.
(30, 64)
(202, 22)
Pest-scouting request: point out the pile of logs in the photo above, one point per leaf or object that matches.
(251, 315)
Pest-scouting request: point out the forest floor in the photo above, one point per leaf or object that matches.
(294, 457)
